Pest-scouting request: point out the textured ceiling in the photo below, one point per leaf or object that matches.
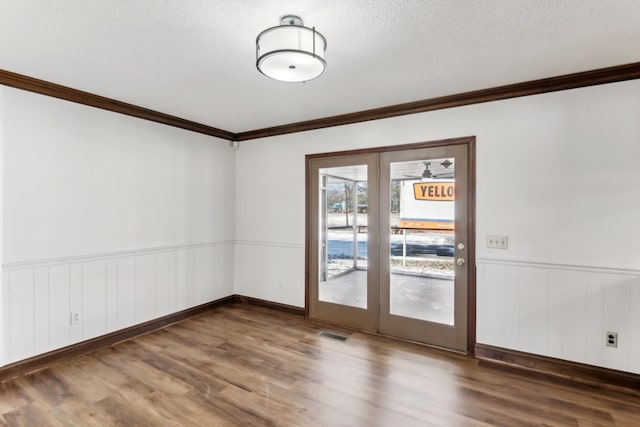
(195, 59)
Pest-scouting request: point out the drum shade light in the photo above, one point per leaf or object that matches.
(291, 52)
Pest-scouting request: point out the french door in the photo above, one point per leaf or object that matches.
(388, 241)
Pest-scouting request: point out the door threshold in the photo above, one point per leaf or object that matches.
(349, 330)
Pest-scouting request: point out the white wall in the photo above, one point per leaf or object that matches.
(119, 219)
(558, 173)
(84, 181)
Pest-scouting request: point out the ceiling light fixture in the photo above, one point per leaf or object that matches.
(291, 52)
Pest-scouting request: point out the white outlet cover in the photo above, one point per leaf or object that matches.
(74, 318)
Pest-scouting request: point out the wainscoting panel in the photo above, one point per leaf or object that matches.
(108, 292)
(165, 283)
(112, 294)
(59, 331)
(21, 298)
(560, 311)
(94, 299)
(271, 271)
(184, 277)
(145, 283)
(570, 300)
(634, 321)
(75, 302)
(126, 280)
(532, 301)
(41, 309)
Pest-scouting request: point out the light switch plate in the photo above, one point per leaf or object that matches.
(498, 242)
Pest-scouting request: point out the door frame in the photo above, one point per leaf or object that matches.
(470, 143)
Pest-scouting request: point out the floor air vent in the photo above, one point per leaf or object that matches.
(334, 336)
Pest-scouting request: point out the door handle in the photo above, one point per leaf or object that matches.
(460, 261)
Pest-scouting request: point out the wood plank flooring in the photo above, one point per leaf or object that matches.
(241, 365)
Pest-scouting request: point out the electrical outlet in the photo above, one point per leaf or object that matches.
(74, 318)
(498, 242)
(611, 339)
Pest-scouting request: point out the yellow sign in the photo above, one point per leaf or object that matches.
(427, 225)
(437, 191)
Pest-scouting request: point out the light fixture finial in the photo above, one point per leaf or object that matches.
(291, 20)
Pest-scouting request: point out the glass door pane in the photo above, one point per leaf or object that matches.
(343, 230)
(421, 211)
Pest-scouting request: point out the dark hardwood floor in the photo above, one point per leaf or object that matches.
(241, 365)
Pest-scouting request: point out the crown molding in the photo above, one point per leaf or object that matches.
(54, 90)
(533, 87)
(599, 76)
